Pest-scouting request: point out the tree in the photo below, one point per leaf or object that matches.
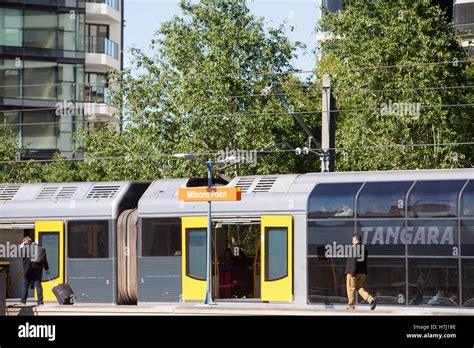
(200, 93)
(380, 54)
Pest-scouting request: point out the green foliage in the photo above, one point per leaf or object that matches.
(399, 33)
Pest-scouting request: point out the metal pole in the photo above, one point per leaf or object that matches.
(328, 127)
(208, 299)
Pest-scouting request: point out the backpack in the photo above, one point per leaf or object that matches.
(39, 256)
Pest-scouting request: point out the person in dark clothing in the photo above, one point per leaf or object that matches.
(356, 270)
(33, 268)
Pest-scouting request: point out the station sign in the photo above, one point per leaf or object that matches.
(204, 194)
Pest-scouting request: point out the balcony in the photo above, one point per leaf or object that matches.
(115, 4)
(102, 54)
(105, 11)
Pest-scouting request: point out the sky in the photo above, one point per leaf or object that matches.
(143, 18)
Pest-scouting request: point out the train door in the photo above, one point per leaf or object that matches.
(194, 249)
(277, 258)
(50, 235)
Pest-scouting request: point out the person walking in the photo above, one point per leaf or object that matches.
(34, 262)
(356, 270)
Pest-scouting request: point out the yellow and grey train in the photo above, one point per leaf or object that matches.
(135, 242)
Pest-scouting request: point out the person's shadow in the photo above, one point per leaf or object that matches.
(23, 311)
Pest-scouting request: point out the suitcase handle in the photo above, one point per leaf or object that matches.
(55, 283)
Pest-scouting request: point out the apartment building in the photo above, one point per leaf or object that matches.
(464, 23)
(54, 57)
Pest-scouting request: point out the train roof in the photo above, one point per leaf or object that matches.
(62, 200)
(273, 194)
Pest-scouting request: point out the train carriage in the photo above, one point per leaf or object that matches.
(285, 237)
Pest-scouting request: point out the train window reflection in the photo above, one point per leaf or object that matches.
(88, 239)
(326, 281)
(196, 253)
(386, 280)
(323, 233)
(467, 237)
(467, 269)
(467, 200)
(433, 282)
(382, 199)
(333, 201)
(434, 198)
(161, 237)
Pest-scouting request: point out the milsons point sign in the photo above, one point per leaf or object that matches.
(437, 235)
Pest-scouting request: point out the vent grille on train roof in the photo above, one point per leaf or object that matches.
(244, 183)
(102, 191)
(47, 192)
(7, 192)
(54, 192)
(66, 192)
(265, 184)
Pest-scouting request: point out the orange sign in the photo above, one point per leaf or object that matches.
(204, 194)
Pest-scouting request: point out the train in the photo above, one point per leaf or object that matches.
(133, 242)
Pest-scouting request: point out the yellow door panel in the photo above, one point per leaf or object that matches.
(194, 232)
(50, 235)
(277, 258)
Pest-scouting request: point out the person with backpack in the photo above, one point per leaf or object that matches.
(34, 262)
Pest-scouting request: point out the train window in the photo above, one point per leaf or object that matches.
(467, 200)
(326, 281)
(88, 239)
(161, 237)
(434, 198)
(467, 269)
(276, 253)
(196, 253)
(467, 237)
(433, 282)
(50, 242)
(324, 233)
(332, 201)
(432, 237)
(382, 199)
(383, 237)
(386, 280)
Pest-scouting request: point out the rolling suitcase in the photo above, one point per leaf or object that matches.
(63, 293)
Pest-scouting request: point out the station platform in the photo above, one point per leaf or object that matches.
(225, 308)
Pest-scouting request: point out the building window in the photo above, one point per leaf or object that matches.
(161, 237)
(434, 198)
(40, 29)
(71, 32)
(433, 282)
(10, 78)
(382, 199)
(39, 130)
(332, 201)
(12, 120)
(40, 80)
(88, 239)
(11, 22)
(96, 88)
